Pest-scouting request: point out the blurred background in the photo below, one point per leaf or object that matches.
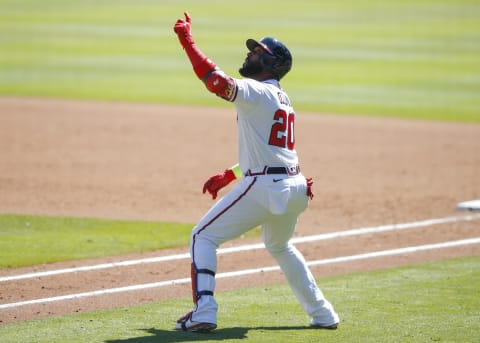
(402, 58)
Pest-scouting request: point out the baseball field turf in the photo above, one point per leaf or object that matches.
(399, 305)
(408, 59)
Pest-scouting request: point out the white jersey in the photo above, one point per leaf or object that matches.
(266, 122)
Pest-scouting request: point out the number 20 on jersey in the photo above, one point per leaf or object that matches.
(282, 132)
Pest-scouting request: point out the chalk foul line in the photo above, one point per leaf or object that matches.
(306, 239)
(391, 252)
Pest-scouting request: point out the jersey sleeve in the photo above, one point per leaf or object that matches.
(249, 91)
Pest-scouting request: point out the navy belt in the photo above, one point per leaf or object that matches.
(292, 171)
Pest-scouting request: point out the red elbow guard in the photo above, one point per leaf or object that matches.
(222, 85)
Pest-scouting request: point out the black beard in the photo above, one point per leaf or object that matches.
(249, 69)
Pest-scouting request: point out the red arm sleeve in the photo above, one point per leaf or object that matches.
(201, 64)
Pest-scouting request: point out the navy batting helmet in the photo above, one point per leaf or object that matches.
(277, 60)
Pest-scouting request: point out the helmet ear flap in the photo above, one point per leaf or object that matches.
(267, 62)
(263, 61)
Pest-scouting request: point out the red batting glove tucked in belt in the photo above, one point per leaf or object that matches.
(217, 182)
(310, 187)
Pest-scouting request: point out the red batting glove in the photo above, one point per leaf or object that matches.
(200, 63)
(183, 30)
(310, 187)
(217, 182)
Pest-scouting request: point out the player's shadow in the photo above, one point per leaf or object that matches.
(166, 336)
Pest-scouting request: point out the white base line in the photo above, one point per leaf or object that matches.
(391, 252)
(325, 236)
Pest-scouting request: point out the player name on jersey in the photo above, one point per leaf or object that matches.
(284, 100)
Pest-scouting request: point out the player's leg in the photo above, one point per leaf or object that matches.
(229, 218)
(276, 234)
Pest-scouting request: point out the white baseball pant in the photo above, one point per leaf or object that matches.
(274, 202)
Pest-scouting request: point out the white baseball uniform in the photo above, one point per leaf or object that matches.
(271, 195)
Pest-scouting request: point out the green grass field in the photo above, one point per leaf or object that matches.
(54, 239)
(436, 302)
(410, 58)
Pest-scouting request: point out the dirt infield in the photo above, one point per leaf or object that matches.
(149, 162)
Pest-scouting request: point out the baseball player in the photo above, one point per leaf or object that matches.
(271, 192)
